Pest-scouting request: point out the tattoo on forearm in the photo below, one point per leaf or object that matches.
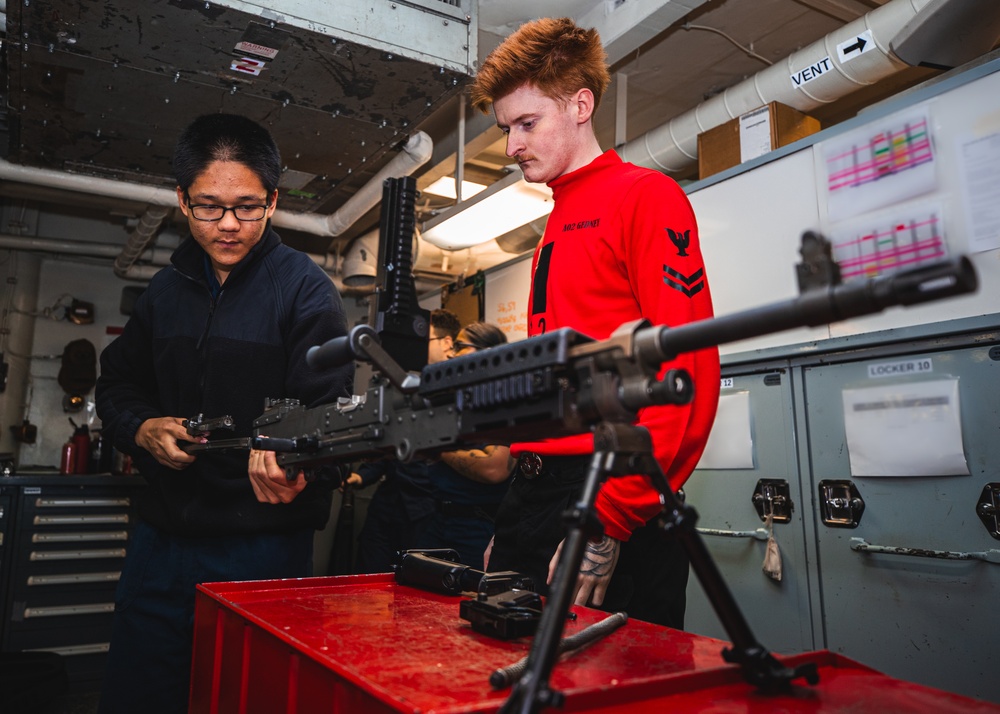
(600, 557)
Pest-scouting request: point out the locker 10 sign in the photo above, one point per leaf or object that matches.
(898, 369)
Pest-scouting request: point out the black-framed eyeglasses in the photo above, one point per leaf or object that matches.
(435, 339)
(465, 346)
(208, 212)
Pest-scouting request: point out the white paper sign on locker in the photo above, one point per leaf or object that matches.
(905, 429)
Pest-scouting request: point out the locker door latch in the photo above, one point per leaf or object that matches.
(840, 504)
(772, 496)
(988, 508)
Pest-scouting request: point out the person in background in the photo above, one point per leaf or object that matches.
(621, 244)
(444, 330)
(403, 498)
(468, 492)
(225, 326)
(436, 503)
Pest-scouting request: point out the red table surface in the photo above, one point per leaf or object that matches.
(365, 644)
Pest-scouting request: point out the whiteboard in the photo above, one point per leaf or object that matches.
(507, 292)
(751, 228)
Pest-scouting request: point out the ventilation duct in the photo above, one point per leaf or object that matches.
(974, 25)
(140, 239)
(818, 74)
(361, 261)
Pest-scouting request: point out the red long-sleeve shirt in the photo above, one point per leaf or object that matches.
(622, 244)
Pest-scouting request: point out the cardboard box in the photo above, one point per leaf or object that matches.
(751, 135)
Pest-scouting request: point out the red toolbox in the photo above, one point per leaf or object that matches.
(365, 645)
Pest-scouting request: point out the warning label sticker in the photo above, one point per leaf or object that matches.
(253, 48)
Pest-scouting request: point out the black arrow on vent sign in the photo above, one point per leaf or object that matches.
(859, 46)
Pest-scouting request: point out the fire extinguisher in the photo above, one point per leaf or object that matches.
(67, 463)
(76, 451)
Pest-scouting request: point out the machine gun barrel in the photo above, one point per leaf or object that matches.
(823, 306)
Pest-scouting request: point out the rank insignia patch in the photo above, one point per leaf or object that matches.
(690, 285)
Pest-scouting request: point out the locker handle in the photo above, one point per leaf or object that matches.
(860, 545)
(758, 534)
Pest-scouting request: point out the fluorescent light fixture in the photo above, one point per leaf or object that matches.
(445, 187)
(508, 204)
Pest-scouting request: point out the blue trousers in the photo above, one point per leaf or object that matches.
(149, 663)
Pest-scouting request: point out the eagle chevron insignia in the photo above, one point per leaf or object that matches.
(680, 241)
(690, 285)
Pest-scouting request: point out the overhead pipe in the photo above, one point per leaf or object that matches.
(57, 246)
(415, 153)
(152, 195)
(673, 147)
(155, 257)
(23, 278)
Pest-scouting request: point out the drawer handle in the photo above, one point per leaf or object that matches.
(64, 610)
(758, 534)
(78, 537)
(71, 650)
(76, 554)
(80, 520)
(860, 545)
(81, 502)
(74, 578)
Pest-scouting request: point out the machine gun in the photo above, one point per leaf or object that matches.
(563, 383)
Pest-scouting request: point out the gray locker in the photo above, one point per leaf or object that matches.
(909, 570)
(780, 613)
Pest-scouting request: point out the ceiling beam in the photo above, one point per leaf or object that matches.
(844, 10)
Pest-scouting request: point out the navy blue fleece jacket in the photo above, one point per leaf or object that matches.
(183, 353)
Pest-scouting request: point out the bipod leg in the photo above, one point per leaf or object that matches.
(611, 456)
(759, 667)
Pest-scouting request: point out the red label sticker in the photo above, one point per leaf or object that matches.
(247, 65)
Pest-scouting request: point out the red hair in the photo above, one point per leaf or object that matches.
(554, 55)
